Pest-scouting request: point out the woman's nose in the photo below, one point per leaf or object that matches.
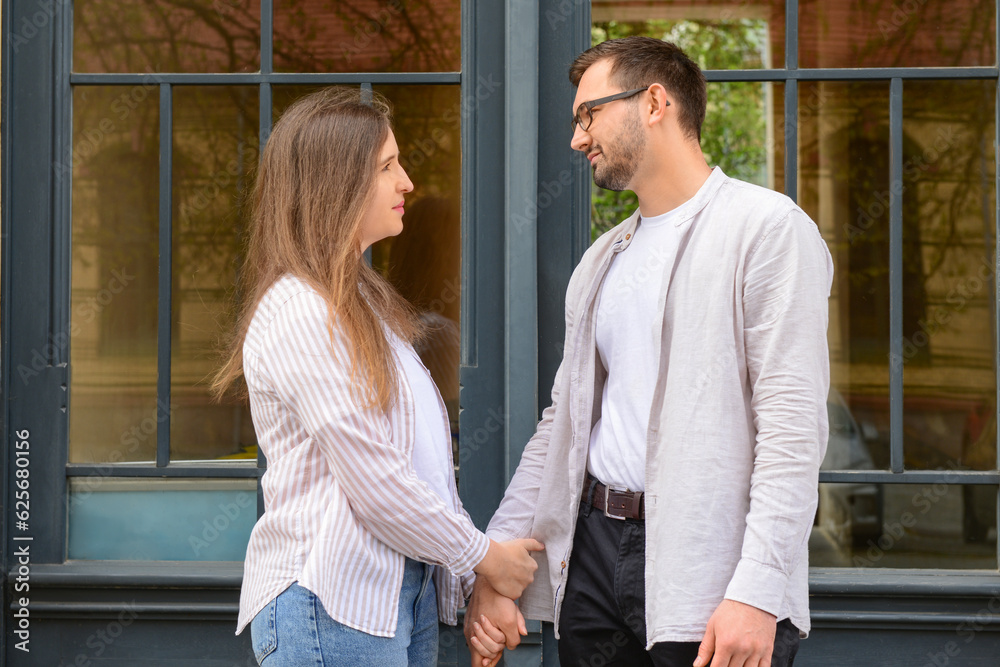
(405, 184)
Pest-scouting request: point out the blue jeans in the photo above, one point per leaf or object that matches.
(294, 630)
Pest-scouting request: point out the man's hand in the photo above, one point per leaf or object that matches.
(509, 566)
(502, 613)
(738, 635)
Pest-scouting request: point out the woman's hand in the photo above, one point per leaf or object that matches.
(488, 641)
(509, 567)
(503, 615)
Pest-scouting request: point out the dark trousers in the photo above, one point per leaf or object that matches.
(603, 620)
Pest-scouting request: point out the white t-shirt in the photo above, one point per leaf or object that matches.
(629, 322)
(432, 437)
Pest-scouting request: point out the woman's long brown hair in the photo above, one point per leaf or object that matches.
(313, 189)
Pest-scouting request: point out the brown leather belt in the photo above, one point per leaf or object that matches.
(615, 503)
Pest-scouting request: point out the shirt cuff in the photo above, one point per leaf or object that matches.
(472, 555)
(467, 582)
(758, 585)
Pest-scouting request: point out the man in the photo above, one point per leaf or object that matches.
(673, 479)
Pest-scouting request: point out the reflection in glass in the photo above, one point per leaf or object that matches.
(844, 187)
(739, 133)
(424, 261)
(717, 34)
(905, 526)
(743, 132)
(166, 36)
(215, 151)
(368, 36)
(928, 33)
(117, 518)
(949, 378)
(114, 168)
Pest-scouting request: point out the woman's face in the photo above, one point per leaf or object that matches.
(385, 217)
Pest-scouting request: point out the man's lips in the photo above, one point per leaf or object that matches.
(592, 157)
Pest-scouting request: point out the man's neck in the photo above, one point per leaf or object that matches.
(671, 178)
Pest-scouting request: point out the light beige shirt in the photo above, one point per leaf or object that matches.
(343, 504)
(738, 425)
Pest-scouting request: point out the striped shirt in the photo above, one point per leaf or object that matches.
(343, 505)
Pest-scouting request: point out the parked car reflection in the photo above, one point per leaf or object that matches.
(851, 513)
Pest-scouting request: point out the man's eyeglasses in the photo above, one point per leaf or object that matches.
(584, 113)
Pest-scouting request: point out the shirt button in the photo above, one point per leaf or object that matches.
(628, 236)
(563, 564)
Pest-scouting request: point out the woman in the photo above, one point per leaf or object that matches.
(363, 543)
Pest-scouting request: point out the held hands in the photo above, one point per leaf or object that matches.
(509, 566)
(492, 622)
(738, 635)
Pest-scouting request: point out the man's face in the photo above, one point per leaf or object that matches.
(615, 141)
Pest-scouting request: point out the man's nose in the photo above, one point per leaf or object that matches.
(580, 140)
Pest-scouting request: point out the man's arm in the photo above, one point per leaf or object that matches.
(516, 513)
(786, 288)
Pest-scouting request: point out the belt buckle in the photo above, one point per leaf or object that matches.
(607, 499)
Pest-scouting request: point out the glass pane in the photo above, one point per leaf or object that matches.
(844, 186)
(743, 130)
(424, 261)
(950, 379)
(368, 36)
(912, 33)
(166, 35)
(114, 166)
(944, 526)
(116, 518)
(740, 133)
(716, 34)
(215, 149)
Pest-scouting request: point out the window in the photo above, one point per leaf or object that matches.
(171, 103)
(897, 167)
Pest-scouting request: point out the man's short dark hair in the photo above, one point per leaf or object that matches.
(642, 61)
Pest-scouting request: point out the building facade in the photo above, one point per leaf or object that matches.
(131, 129)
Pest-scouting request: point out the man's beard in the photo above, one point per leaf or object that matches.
(616, 171)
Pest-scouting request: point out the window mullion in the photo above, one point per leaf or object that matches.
(165, 278)
(996, 257)
(266, 39)
(791, 99)
(791, 34)
(265, 111)
(954, 477)
(896, 275)
(996, 273)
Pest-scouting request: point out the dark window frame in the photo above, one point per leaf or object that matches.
(36, 104)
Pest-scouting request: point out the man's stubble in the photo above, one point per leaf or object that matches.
(617, 169)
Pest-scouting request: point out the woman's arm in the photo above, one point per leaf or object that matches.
(310, 373)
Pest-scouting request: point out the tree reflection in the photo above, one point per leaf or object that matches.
(309, 35)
